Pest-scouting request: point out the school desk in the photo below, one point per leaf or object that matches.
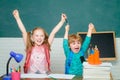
(75, 78)
(48, 78)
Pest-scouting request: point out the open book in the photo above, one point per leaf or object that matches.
(57, 76)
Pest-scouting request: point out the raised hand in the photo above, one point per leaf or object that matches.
(90, 29)
(63, 17)
(91, 26)
(16, 14)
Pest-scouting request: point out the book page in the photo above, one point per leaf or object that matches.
(57, 76)
(34, 76)
(61, 76)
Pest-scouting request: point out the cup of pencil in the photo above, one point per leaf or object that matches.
(15, 74)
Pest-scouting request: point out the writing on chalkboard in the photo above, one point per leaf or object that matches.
(105, 42)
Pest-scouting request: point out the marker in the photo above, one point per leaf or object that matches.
(53, 78)
(11, 70)
(19, 68)
(66, 20)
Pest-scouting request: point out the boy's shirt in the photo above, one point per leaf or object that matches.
(75, 66)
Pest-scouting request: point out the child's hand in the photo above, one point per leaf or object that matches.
(67, 27)
(63, 17)
(16, 14)
(91, 26)
(48, 72)
(90, 29)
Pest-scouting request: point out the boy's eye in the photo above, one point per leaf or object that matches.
(73, 43)
(78, 42)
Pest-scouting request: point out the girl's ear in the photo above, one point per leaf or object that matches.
(32, 39)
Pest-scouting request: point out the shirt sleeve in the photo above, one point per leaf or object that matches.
(86, 44)
(66, 47)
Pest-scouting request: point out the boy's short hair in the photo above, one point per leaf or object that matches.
(73, 37)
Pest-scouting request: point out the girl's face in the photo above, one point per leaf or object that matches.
(75, 46)
(38, 37)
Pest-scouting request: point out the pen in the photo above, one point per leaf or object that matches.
(53, 78)
(10, 70)
(66, 21)
(19, 69)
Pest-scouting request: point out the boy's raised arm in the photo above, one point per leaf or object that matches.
(90, 29)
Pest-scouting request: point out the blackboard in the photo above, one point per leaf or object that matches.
(104, 14)
(105, 42)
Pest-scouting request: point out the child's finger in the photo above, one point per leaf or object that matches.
(64, 16)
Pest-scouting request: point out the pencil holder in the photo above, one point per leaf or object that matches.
(15, 75)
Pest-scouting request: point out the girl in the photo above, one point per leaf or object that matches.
(74, 51)
(37, 46)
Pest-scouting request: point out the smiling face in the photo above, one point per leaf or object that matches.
(74, 42)
(38, 37)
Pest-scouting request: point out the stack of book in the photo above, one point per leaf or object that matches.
(97, 72)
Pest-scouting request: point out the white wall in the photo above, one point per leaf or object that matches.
(57, 55)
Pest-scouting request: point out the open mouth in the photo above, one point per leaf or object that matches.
(76, 49)
(39, 42)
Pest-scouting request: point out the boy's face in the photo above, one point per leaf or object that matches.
(75, 46)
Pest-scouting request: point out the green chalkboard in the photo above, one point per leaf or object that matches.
(104, 14)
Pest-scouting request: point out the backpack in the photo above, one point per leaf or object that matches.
(68, 62)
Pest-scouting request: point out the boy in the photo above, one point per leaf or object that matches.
(74, 51)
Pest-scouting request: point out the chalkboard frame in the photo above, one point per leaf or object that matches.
(101, 36)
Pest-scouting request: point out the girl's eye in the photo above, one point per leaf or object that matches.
(42, 36)
(73, 43)
(36, 35)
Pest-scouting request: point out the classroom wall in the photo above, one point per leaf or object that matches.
(57, 55)
(104, 14)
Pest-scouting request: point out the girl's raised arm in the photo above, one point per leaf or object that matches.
(20, 25)
(56, 29)
(67, 27)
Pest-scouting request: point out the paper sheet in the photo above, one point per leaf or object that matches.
(58, 76)
(61, 76)
(34, 76)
